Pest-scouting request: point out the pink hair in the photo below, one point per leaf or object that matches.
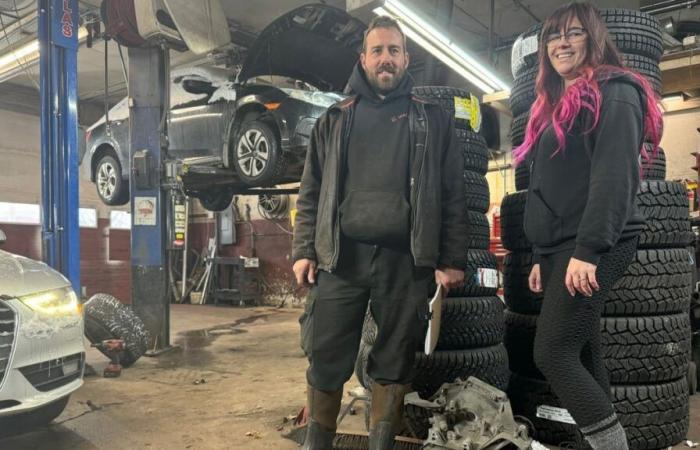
(585, 95)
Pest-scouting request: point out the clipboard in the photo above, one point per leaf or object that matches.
(434, 314)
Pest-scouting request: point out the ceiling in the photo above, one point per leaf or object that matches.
(469, 28)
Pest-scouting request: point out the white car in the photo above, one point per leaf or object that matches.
(42, 353)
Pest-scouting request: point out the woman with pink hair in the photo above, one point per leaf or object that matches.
(583, 143)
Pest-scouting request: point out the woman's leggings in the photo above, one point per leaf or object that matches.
(568, 340)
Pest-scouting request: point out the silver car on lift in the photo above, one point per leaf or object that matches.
(42, 353)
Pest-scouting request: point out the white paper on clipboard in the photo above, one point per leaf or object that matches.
(435, 313)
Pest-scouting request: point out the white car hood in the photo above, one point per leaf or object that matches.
(21, 276)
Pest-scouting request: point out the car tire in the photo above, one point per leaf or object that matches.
(517, 128)
(523, 93)
(664, 204)
(512, 231)
(216, 200)
(476, 154)
(479, 231)
(257, 154)
(473, 286)
(108, 318)
(522, 175)
(518, 296)
(28, 421)
(656, 168)
(477, 191)
(445, 96)
(111, 187)
(658, 281)
(489, 364)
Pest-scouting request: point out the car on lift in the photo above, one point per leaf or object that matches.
(259, 130)
(42, 352)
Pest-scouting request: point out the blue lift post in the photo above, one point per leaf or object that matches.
(58, 73)
(149, 74)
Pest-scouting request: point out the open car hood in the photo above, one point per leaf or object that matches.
(317, 44)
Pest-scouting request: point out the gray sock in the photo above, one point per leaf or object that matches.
(611, 438)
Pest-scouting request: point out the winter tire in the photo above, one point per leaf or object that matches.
(474, 150)
(445, 97)
(481, 265)
(519, 298)
(489, 364)
(108, 318)
(469, 322)
(479, 231)
(477, 191)
(512, 231)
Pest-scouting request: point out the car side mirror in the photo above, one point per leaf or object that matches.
(198, 87)
(3, 237)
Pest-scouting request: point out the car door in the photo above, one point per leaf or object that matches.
(196, 125)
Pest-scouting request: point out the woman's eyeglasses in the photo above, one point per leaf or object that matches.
(572, 36)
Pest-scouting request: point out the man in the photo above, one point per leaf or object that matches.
(381, 212)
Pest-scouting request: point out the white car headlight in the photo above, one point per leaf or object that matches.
(58, 302)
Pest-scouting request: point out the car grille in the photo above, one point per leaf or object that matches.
(53, 374)
(7, 337)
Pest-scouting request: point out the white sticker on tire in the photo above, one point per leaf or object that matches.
(555, 414)
(522, 48)
(487, 277)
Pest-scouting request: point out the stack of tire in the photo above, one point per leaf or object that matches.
(471, 334)
(645, 325)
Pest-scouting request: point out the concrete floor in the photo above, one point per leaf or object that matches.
(237, 374)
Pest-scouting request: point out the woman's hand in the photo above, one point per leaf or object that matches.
(580, 277)
(535, 279)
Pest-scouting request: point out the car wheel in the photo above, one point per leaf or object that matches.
(257, 155)
(110, 185)
(216, 200)
(28, 421)
(107, 318)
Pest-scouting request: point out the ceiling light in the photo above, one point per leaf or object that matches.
(27, 55)
(443, 48)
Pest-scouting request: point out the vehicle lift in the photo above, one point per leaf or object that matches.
(157, 186)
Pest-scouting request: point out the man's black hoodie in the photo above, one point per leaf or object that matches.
(375, 206)
(584, 197)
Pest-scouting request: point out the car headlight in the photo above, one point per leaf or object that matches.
(58, 302)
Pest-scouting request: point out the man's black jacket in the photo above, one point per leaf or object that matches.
(437, 188)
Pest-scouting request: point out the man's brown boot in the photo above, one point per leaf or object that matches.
(387, 414)
(323, 409)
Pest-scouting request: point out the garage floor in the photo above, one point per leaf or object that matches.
(237, 374)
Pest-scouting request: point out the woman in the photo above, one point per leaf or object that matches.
(583, 143)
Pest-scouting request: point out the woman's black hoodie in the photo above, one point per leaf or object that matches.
(583, 197)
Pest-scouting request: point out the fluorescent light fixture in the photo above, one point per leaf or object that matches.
(443, 48)
(27, 55)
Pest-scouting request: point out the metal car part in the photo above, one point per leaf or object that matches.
(471, 415)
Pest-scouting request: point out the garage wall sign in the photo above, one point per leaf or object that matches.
(64, 28)
(145, 211)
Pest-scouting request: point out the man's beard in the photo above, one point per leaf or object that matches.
(384, 87)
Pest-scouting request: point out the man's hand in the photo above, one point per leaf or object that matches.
(580, 276)
(305, 271)
(449, 277)
(535, 279)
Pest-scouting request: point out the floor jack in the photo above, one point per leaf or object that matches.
(113, 348)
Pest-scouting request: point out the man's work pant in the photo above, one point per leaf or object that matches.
(335, 311)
